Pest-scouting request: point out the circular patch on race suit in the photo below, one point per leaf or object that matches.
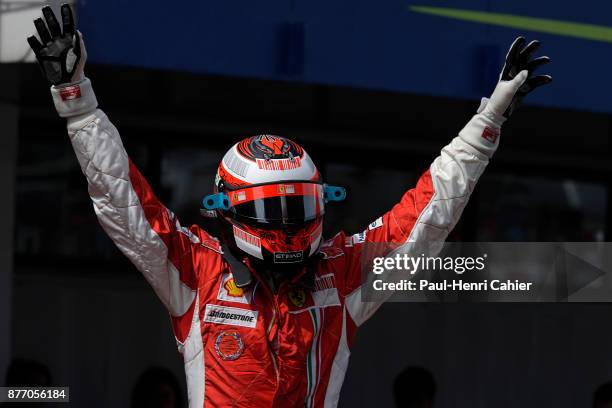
(229, 345)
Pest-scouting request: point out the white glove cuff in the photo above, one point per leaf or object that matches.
(74, 99)
(483, 130)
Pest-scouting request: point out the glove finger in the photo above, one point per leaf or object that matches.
(518, 81)
(73, 57)
(526, 52)
(536, 63)
(43, 33)
(80, 46)
(54, 27)
(538, 81)
(77, 46)
(34, 44)
(511, 58)
(67, 20)
(515, 48)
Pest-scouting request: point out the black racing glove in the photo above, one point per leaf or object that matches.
(519, 59)
(60, 51)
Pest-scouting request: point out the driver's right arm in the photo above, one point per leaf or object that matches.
(139, 224)
(128, 210)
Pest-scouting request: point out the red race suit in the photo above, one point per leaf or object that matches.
(251, 347)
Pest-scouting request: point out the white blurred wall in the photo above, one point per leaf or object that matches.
(16, 25)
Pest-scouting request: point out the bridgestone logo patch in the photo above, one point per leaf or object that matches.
(230, 315)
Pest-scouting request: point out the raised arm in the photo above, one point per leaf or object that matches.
(427, 213)
(141, 227)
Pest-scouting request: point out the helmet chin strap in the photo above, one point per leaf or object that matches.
(272, 276)
(242, 275)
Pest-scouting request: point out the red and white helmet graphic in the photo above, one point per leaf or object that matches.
(265, 159)
(271, 200)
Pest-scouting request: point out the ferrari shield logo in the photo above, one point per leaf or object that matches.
(297, 297)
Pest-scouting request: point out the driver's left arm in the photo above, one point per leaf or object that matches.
(427, 213)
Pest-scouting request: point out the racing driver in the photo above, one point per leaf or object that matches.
(265, 316)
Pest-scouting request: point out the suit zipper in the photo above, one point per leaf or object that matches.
(272, 355)
(275, 364)
(269, 329)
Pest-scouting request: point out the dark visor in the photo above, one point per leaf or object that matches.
(281, 209)
(287, 203)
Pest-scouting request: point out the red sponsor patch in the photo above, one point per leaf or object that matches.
(229, 345)
(324, 282)
(246, 237)
(490, 134)
(233, 290)
(70, 92)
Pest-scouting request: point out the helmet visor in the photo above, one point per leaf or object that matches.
(282, 203)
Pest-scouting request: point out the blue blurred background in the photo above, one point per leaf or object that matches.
(392, 45)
